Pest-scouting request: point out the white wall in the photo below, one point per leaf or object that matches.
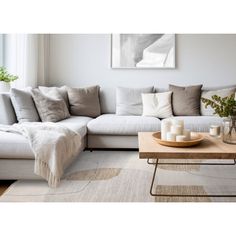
(81, 60)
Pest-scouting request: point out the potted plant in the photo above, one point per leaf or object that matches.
(6, 79)
(225, 107)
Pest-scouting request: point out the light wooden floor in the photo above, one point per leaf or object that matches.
(4, 184)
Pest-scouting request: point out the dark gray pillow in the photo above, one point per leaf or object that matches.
(129, 100)
(84, 101)
(186, 100)
(49, 109)
(24, 106)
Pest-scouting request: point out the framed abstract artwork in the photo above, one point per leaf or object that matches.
(143, 51)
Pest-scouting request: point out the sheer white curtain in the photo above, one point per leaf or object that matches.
(26, 55)
(1, 49)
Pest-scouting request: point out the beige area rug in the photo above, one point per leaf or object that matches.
(120, 176)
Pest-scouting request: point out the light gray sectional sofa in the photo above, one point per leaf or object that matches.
(106, 131)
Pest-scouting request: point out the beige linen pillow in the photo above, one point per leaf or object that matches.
(49, 109)
(84, 101)
(55, 93)
(186, 100)
(157, 104)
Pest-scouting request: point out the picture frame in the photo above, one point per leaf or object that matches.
(143, 51)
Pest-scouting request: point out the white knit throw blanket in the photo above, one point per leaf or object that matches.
(54, 147)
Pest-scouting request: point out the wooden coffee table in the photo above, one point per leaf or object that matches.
(210, 148)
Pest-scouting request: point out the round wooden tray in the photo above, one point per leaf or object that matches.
(193, 142)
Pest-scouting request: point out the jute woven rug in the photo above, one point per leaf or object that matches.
(120, 176)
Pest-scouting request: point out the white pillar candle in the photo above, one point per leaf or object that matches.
(215, 130)
(170, 137)
(176, 129)
(165, 128)
(181, 138)
(178, 122)
(187, 134)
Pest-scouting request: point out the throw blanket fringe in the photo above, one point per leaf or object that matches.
(42, 169)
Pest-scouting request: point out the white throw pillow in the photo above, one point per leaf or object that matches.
(157, 104)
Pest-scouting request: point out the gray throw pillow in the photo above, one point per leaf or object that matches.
(84, 101)
(186, 100)
(55, 93)
(49, 109)
(129, 100)
(209, 93)
(24, 106)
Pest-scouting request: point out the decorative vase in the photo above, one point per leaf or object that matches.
(229, 130)
(4, 87)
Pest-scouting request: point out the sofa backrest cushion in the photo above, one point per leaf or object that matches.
(129, 100)
(24, 105)
(8, 116)
(108, 100)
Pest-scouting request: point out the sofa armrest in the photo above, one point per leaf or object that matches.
(7, 112)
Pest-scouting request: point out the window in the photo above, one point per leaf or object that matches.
(1, 49)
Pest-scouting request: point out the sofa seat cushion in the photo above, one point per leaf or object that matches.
(15, 146)
(77, 124)
(200, 123)
(122, 125)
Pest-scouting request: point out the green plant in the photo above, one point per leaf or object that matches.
(5, 76)
(224, 107)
